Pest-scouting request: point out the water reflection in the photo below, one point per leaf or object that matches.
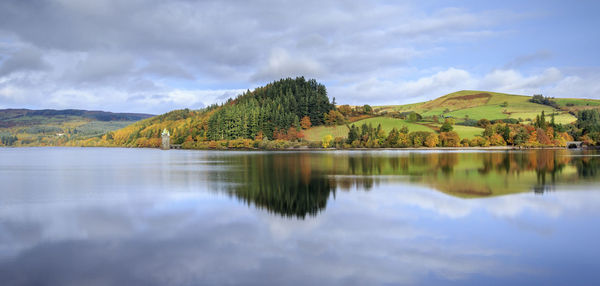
(299, 184)
(146, 217)
(281, 183)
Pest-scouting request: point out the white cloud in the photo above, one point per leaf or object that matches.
(365, 52)
(281, 65)
(513, 81)
(111, 50)
(576, 86)
(376, 91)
(550, 82)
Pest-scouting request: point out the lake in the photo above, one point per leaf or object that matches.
(102, 216)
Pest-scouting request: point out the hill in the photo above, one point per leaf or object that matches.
(283, 112)
(273, 111)
(25, 127)
(462, 106)
(476, 105)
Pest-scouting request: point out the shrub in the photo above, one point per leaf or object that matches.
(497, 140)
(417, 139)
(540, 99)
(326, 142)
(478, 141)
(483, 123)
(449, 139)
(314, 144)
(338, 142)
(432, 140)
(446, 127)
(468, 122)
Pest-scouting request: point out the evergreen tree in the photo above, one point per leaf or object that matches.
(506, 132)
(352, 134)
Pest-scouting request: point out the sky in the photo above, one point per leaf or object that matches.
(153, 56)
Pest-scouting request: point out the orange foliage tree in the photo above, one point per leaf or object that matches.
(305, 122)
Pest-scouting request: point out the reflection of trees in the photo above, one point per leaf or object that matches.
(588, 167)
(281, 183)
(474, 174)
(299, 184)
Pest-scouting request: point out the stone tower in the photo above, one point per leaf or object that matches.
(166, 140)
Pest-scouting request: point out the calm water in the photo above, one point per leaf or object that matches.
(71, 216)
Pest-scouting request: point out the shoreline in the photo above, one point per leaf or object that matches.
(491, 148)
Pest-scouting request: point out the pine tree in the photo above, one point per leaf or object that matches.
(506, 132)
(352, 134)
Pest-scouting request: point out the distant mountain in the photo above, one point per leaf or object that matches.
(21, 117)
(49, 127)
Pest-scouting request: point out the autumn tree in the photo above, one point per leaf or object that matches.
(346, 110)
(393, 137)
(497, 140)
(432, 140)
(326, 142)
(305, 122)
(449, 139)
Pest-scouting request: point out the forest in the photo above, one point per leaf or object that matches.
(270, 110)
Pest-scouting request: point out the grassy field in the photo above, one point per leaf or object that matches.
(491, 105)
(387, 123)
(317, 133)
(467, 131)
(563, 102)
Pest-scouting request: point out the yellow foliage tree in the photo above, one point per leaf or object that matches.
(432, 140)
(327, 141)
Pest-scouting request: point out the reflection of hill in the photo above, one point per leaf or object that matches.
(299, 184)
(282, 183)
(470, 175)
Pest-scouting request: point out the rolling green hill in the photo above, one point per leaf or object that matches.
(462, 105)
(476, 105)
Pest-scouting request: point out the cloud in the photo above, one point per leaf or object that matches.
(577, 86)
(282, 65)
(513, 81)
(528, 58)
(376, 246)
(193, 99)
(77, 54)
(379, 91)
(25, 59)
(109, 47)
(99, 67)
(550, 82)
